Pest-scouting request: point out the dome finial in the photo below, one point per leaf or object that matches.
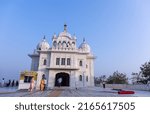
(65, 27)
(43, 45)
(83, 39)
(54, 36)
(44, 37)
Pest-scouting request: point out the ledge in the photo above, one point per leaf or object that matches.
(60, 68)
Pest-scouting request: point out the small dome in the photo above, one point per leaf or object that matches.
(74, 37)
(54, 36)
(43, 45)
(65, 33)
(85, 47)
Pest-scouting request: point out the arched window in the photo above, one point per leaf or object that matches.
(64, 44)
(59, 44)
(73, 45)
(55, 44)
(80, 78)
(80, 63)
(68, 44)
(44, 63)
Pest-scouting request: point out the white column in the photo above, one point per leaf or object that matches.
(51, 80)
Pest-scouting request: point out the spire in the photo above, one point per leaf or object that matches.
(74, 36)
(83, 40)
(54, 36)
(65, 27)
(44, 37)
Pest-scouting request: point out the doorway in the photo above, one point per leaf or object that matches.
(65, 79)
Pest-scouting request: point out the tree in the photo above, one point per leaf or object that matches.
(145, 70)
(100, 79)
(144, 74)
(117, 78)
(136, 77)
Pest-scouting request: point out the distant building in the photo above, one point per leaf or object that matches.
(63, 59)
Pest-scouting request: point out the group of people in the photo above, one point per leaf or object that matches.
(43, 83)
(9, 83)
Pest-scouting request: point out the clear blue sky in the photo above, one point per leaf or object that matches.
(118, 31)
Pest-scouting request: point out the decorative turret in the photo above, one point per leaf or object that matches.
(64, 40)
(85, 47)
(43, 45)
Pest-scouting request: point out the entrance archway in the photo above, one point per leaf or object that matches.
(65, 79)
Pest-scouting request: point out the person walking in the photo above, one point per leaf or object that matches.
(42, 84)
(13, 82)
(45, 82)
(8, 84)
(17, 83)
(31, 85)
(104, 84)
(59, 81)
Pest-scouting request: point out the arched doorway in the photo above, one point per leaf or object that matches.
(65, 79)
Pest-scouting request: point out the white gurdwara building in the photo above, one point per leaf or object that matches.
(63, 59)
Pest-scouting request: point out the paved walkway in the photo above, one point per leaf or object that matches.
(68, 92)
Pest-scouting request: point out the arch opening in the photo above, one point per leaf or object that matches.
(65, 79)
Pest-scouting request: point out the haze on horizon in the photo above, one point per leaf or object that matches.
(118, 31)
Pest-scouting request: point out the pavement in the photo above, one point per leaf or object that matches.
(68, 92)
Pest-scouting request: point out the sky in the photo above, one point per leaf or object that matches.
(118, 31)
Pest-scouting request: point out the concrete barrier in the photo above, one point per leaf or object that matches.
(144, 87)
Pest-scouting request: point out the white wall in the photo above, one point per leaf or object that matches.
(129, 86)
(23, 85)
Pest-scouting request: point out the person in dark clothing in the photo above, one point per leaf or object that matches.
(104, 85)
(17, 83)
(13, 82)
(9, 82)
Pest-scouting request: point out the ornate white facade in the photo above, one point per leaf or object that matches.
(63, 59)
